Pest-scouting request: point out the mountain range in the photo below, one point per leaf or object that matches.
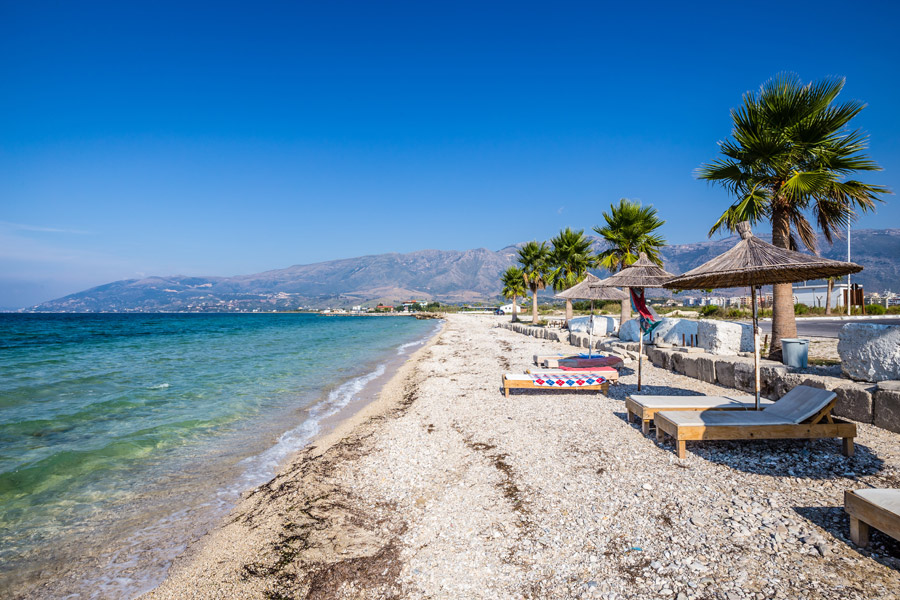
(443, 275)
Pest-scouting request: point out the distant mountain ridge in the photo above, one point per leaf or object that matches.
(445, 275)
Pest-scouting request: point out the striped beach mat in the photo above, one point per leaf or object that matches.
(574, 380)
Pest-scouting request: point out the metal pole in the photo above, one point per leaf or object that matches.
(755, 343)
(640, 348)
(591, 330)
(849, 300)
(640, 354)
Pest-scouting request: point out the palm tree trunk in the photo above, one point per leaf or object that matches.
(626, 308)
(784, 325)
(568, 311)
(534, 318)
(515, 316)
(828, 296)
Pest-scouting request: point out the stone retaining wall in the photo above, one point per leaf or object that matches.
(878, 404)
(866, 403)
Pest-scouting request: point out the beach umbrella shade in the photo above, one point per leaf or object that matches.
(584, 291)
(643, 273)
(753, 263)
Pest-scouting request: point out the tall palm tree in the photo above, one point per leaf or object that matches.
(570, 260)
(533, 258)
(789, 156)
(629, 230)
(513, 281)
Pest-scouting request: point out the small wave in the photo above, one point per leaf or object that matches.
(261, 468)
(404, 347)
(160, 386)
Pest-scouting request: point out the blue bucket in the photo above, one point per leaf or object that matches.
(795, 352)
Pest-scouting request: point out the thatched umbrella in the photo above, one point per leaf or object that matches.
(639, 275)
(754, 263)
(584, 291)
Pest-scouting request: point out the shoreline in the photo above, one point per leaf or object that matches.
(132, 565)
(336, 429)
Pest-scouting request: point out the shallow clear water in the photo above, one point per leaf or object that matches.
(124, 436)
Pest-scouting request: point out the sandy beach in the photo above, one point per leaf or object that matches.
(444, 488)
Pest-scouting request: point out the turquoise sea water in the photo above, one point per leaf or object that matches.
(122, 437)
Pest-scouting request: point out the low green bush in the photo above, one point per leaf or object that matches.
(710, 310)
(801, 309)
(875, 309)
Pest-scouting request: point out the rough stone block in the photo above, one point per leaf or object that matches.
(678, 362)
(706, 368)
(629, 331)
(691, 365)
(660, 357)
(721, 337)
(744, 375)
(670, 331)
(602, 325)
(770, 375)
(886, 409)
(870, 352)
(854, 401)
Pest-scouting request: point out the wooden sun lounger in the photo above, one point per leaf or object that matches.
(611, 375)
(644, 407)
(878, 508)
(540, 359)
(526, 381)
(803, 413)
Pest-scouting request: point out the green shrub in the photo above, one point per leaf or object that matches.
(801, 309)
(875, 309)
(893, 310)
(710, 310)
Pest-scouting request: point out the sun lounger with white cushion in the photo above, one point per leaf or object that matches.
(611, 375)
(644, 407)
(878, 508)
(803, 413)
(556, 380)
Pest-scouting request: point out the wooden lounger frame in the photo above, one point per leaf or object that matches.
(820, 425)
(509, 384)
(646, 413)
(864, 514)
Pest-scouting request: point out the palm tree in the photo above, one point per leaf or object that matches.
(569, 260)
(513, 281)
(790, 156)
(533, 258)
(828, 293)
(629, 230)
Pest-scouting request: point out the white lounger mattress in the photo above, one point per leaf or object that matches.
(886, 499)
(675, 402)
(723, 418)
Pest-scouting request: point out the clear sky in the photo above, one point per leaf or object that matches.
(157, 138)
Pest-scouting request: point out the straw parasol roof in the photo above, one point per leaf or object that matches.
(641, 274)
(753, 262)
(588, 290)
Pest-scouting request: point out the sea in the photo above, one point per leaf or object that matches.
(125, 437)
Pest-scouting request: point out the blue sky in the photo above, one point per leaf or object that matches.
(230, 138)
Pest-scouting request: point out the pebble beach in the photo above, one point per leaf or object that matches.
(444, 488)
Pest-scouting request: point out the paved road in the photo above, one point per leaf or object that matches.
(823, 328)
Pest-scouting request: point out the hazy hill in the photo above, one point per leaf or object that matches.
(448, 275)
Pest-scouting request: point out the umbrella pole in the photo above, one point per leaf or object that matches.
(640, 350)
(755, 343)
(591, 331)
(640, 355)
